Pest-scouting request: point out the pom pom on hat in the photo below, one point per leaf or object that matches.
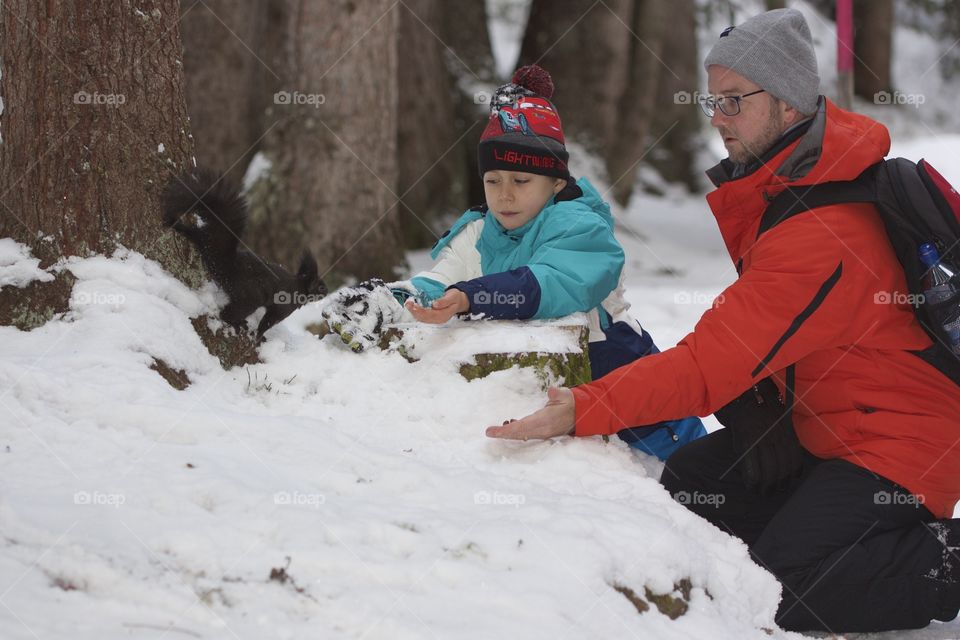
(534, 78)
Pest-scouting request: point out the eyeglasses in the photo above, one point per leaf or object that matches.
(729, 105)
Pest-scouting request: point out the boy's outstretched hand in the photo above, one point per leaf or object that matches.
(555, 419)
(445, 307)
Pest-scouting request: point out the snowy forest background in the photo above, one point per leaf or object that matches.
(163, 477)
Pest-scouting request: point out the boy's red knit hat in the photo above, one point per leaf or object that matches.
(524, 132)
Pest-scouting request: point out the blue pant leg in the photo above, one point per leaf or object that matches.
(663, 438)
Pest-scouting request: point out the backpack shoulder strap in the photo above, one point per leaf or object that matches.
(796, 200)
(894, 186)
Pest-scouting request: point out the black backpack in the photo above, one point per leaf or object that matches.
(917, 205)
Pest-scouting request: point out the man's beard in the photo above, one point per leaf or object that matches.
(747, 152)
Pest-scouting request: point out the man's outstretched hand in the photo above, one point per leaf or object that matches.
(555, 419)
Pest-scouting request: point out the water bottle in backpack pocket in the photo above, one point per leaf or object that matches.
(941, 295)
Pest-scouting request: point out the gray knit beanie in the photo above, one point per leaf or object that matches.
(775, 51)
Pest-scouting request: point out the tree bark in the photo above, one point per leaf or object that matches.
(677, 120)
(227, 92)
(586, 48)
(465, 30)
(331, 140)
(430, 172)
(629, 143)
(872, 43)
(94, 125)
(949, 18)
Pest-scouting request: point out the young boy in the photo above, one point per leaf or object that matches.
(542, 247)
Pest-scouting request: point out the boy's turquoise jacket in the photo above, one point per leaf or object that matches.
(564, 260)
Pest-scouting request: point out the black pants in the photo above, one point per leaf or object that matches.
(850, 548)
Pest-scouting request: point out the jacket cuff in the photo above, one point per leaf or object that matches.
(510, 295)
(592, 418)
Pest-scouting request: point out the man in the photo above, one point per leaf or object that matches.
(859, 535)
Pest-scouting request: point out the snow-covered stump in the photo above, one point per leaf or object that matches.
(557, 350)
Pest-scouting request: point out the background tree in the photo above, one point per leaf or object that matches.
(873, 45)
(227, 83)
(234, 56)
(649, 28)
(469, 56)
(585, 46)
(676, 117)
(610, 68)
(330, 140)
(432, 169)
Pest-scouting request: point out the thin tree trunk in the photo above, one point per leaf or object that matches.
(471, 62)
(873, 42)
(464, 29)
(629, 144)
(677, 120)
(430, 172)
(226, 95)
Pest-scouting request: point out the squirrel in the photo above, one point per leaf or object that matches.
(211, 213)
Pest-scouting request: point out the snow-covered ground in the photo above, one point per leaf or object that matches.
(363, 483)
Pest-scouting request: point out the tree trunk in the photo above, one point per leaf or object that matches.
(774, 4)
(331, 140)
(226, 91)
(949, 18)
(585, 46)
(93, 125)
(677, 120)
(873, 42)
(629, 143)
(430, 171)
(465, 29)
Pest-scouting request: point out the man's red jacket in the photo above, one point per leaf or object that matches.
(822, 290)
